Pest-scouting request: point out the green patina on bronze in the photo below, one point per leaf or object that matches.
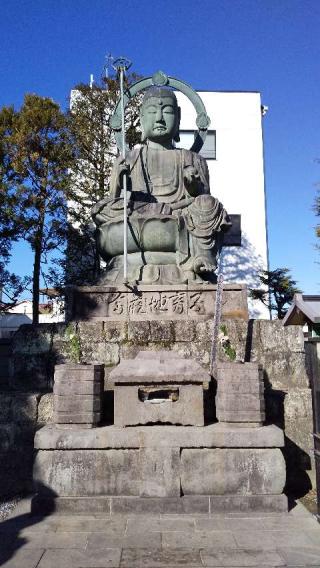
(175, 227)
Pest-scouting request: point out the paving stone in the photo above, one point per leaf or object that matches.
(21, 558)
(221, 524)
(157, 558)
(301, 557)
(273, 539)
(140, 523)
(240, 558)
(198, 539)
(77, 558)
(290, 523)
(98, 541)
(56, 540)
(313, 535)
(112, 526)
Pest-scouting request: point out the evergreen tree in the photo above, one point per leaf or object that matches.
(35, 156)
(278, 291)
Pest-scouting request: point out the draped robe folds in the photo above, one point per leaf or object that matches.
(158, 190)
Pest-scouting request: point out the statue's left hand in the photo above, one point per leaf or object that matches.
(191, 180)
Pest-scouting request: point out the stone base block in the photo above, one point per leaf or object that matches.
(140, 472)
(185, 405)
(232, 471)
(185, 505)
(150, 463)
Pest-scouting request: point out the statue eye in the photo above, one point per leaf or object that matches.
(151, 109)
(168, 110)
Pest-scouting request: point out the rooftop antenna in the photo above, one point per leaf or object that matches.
(107, 66)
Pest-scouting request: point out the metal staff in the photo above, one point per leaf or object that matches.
(121, 65)
(216, 319)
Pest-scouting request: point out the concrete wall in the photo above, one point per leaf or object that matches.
(27, 402)
(237, 177)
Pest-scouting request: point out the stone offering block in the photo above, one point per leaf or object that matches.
(78, 394)
(146, 302)
(159, 387)
(240, 393)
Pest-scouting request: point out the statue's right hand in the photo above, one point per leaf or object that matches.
(123, 167)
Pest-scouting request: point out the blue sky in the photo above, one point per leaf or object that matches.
(271, 46)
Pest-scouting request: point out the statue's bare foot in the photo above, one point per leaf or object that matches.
(202, 264)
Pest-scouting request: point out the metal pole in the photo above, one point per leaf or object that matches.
(125, 200)
(216, 320)
(121, 64)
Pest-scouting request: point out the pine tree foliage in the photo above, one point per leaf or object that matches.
(35, 157)
(277, 292)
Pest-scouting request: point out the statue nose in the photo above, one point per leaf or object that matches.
(159, 115)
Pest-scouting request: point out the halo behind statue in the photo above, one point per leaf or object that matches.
(160, 79)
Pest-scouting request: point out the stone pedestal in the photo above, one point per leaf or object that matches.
(167, 469)
(77, 395)
(240, 394)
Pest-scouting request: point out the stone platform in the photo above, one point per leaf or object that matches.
(161, 302)
(166, 469)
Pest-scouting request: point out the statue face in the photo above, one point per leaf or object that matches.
(159, 118)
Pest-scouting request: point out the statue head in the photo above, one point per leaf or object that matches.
(160, 115)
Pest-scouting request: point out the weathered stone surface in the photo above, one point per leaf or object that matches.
(159, 558)
(232, 471)
(129, 409)
(158, 367)
(144, 472)
(32, 339)
(187, 504)
(245, 401)
(45, 409)
(238, 557)
(214, 435)
(183, 330)
(91, 332)
(32, 372)
(81, 417)
(65, 388)
(77, 403)
(239, 416)
(62, 558)
(248, 503)
(84, 405)
(115, 331)
(161, 331)
(171, 393)
(233, 402)
(160, 302)
(101, 352)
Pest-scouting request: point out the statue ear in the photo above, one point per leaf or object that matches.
(176, 134)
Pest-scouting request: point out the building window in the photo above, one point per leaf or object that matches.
(207, 151)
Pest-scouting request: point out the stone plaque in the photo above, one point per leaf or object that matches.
(154, 302)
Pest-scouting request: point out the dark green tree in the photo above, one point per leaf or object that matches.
(36, 155)
(11, 285)
(277, 292)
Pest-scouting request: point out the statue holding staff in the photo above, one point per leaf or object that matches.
(175, 227)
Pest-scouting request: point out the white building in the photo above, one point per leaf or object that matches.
(21, 313)
(234, 153)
